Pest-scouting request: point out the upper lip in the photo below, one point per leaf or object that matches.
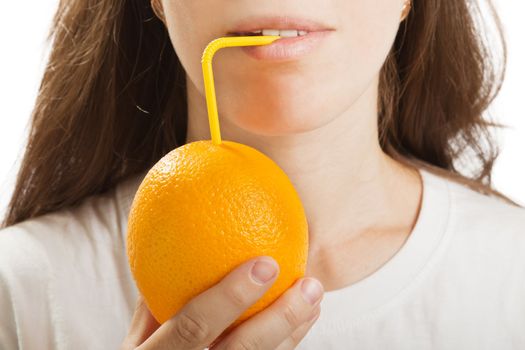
(251, 24)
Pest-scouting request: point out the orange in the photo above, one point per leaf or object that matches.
(204, 209)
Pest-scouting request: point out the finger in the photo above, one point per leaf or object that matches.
(142, 325)
(270, 327)
(295, 338)
(208, 314)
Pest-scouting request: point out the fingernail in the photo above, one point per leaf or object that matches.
(312, 290)
(263, 271)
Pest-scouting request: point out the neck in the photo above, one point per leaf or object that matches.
(348, 186)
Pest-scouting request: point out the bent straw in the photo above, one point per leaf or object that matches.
(209, 86)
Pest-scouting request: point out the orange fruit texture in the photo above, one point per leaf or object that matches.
(203, 210)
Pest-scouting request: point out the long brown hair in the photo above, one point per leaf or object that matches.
(113, 101)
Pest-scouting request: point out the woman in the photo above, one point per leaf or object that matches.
(369, 118)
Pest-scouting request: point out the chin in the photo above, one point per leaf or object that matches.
(281, 124)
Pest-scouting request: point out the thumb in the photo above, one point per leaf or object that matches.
(142, 326)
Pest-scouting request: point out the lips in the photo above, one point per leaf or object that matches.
(286, 49)
(252, 24)
(299, 36)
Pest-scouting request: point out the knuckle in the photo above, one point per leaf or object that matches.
(291, 316)
(190, 330)
(238, 296)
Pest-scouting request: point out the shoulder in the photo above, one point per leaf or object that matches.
(99, 220)
(479, 214)
(24, 274)
(43, 260)
(484, 230)
(96, 218)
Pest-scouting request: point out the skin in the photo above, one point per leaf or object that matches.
(316, 117)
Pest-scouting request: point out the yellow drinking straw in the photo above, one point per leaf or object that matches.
(209, 86)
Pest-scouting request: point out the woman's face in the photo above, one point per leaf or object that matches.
(286, 96)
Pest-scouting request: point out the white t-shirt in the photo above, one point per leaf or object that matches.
(457, 283)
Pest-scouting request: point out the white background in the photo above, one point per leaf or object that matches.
(23, 56)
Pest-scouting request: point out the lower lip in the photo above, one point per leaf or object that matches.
(287, 48)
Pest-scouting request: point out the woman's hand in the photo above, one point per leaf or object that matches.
(202, 321)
